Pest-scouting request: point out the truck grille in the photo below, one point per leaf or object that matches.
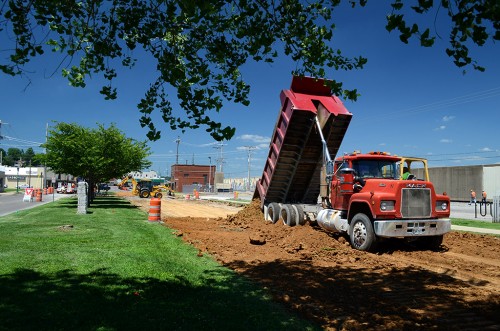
(416, 203)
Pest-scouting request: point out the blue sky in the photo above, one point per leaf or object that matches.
(413, 101)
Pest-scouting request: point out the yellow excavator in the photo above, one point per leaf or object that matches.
(145, 188)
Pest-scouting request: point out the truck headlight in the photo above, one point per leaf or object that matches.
(386, 205)
(441, 205)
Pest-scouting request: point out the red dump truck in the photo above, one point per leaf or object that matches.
(361, 195)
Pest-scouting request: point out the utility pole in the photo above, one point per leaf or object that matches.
(1, 137)
(220, 160)
(178, 141)
(45, 152)
(210, 175)
(29, 178)
(249, 151)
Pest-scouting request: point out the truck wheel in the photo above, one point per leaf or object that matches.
(158, 195)
(288, 215)
(361, 233)
(273, 210)
(432, 243)
(300, 219)
(144, 194)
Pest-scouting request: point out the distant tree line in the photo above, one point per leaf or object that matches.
(20, 157)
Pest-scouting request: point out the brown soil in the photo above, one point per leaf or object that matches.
(320, 277)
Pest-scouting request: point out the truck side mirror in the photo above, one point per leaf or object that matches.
(329, 168)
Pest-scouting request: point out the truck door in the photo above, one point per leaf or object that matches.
(342, 187)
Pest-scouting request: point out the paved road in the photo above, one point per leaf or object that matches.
(471, 212)
(13, 202)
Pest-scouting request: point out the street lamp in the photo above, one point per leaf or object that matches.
(17, 177)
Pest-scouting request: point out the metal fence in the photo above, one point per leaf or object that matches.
(496, 209)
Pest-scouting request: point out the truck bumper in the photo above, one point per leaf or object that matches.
(412, 228)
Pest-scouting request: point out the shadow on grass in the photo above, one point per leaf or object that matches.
(100, 300)
(100, 202)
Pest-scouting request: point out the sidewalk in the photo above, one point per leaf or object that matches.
(475, 230)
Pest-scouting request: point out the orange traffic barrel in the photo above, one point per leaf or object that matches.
(45, 191)
(154, 210)
(38, 194)
(196, 194)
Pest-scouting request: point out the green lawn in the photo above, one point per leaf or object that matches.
(113, 270)
(475, 224)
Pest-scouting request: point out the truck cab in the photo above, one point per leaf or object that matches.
(370, 193)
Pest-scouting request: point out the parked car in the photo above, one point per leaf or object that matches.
(104, 187)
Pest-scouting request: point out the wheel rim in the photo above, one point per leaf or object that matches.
(359, 234)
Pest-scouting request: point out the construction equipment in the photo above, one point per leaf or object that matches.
(360, 195)
(135, 184)
(147, 189)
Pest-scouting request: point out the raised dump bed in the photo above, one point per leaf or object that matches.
(292, 170)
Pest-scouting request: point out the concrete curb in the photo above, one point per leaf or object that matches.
(475, 230)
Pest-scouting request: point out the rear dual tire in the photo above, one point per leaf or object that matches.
(273, 212)
(291, 215)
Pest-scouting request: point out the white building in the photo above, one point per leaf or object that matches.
(151, 174)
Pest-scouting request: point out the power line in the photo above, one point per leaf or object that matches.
(220, 159)
(472, 97)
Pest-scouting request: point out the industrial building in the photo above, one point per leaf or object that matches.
(458, 181)
(185, 178)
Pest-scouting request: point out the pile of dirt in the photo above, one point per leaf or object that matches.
(320, 277)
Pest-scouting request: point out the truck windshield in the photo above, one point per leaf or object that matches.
(375, 169)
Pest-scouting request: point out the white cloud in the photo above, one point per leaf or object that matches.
(257, 147)
(486, 149)
(382, 144)
(439, 128)
(254, 138)
(448, 118)
(446, 141)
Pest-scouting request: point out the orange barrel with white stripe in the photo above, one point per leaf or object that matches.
(39, 194)
(154, 210)
(45, 191)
